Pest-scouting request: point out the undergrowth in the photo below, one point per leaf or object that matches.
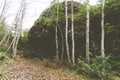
(98, 67)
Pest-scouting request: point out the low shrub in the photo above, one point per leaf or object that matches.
(99, 67)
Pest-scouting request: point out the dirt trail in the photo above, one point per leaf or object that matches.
(34, 70)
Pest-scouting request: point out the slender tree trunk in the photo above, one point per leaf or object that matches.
(87, 32)
(18, 27)
(7, 40)
(66, 32)
(3, 9)
(10, 45)
(62, 56)
(59, 28)
(2, 13)
(56, 33)
(102, 31)
(102, 35)
(73, 41)
(14, 46)
(4, 38)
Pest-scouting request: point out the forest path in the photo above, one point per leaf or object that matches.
(33, 69)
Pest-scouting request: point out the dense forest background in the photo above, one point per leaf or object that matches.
(49, 30)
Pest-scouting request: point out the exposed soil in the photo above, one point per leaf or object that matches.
(33, 69)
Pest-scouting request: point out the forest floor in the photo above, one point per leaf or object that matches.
(34, 69)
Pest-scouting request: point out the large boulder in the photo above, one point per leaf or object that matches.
(42, 34)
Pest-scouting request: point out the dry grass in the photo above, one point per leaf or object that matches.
(35, 69)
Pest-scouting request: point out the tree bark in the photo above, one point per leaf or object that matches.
(4, 38)
(72, 27)
(66, 32)
(87, 32)
(56, 33)
(58, 28)
(102, 31)
(18, 27)
(4, 10)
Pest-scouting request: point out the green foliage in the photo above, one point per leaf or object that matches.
(81, 13)
(51, 14)
(53, 11)
(23, 42)
(115, 61)
(98, 68)
(2, 29)
(3, 48)
(3, 55)
(25, 35)
(110, 28)
(44, 25)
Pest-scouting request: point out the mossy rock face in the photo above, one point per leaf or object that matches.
(42, 34)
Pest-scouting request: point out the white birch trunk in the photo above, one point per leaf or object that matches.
(4, 9)
(102, 30)
(4, 38)
(87, 32)
(66, 32)
(56, 33)
(72, 27)
(18, 27)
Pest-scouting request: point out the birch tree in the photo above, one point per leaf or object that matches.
(57, 28)
(56, 31)
(18, 27)
(87, 31)
(72, 27)
(7, 32)
(102, 30)
(4, 8)
(66, 32)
